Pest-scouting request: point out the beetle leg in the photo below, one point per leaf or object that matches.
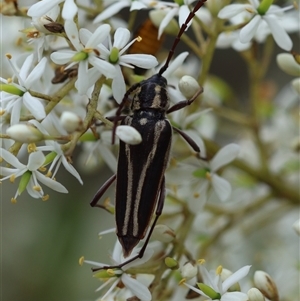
(184, 103)
(188, 139)
(102, 190)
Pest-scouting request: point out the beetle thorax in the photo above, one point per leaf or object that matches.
(151, 94)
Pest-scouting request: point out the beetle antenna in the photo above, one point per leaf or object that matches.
(177, 39)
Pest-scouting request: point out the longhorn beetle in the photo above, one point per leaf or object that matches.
(140, 180)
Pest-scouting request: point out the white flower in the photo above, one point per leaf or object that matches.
(39, 36)
(86, 45)
(29, 175)
(114, 6)
(182, 11)
(263, 20)
(213, 287)
(204, 176)
(56, 157)
(137, 288)
(43, 7)
(115, 55)
(14, 96)
(224, 156)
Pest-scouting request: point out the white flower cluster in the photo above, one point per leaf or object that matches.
(71, 74)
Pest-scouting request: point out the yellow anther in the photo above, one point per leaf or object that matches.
(110, 272)
(49, 173)
(250, 10)
(139, 39)
(2, 112)
(12, 178)
(88, 50)
(219, 270)
(31, 148)
(42, 168)
(19, 42)
(45, 197)
(9, 80)
(182, 281)
(8, 55)
(196, 195)
(201, 261)
(13, 200)
(81, 260)
(37, 188)
(208, 176)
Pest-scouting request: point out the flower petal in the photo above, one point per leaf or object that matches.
(104, 67)
(100, 34)
(248, 31)
(137, 288)
(35, 160)
(51, 183)
(145, 61)
(62, 57)
(70, 168)
(73, 35)
(41, 8)
(82, 84)
(16, 111)
(235, 277)
(118, 85)
(234, 296)
(34, 106)
(27, 65)
(280, 36)
(183, 14)
(111, 10)
(225, 155)
(221, 186)
(232, 10)
(121, 37)
(11, 159)
(69, 10)
(176, 63)
(166, 20)
(36, 73)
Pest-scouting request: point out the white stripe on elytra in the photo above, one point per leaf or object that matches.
(157, 130)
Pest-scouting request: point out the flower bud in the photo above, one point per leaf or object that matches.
(266, 285)
(296, 226)
(171, 263)
(296, 85)
(24, 133)
(70, 122)
(288, 64)
(163, 233)
(188, 86)
(255, 295)
(189, 270)
(128, 134)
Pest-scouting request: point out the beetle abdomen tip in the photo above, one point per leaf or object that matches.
(128, 243)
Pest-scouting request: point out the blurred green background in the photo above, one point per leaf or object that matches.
(41, 242)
